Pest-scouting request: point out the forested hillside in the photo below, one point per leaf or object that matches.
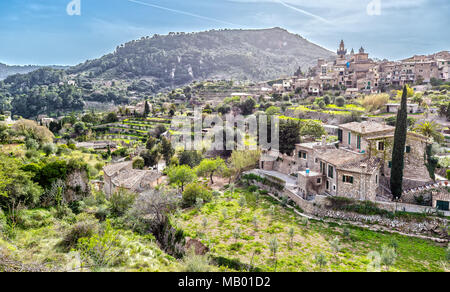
(180, 58)
(144, 67)
(51, 91)
(6, 70)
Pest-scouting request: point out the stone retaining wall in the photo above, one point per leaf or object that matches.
(320, 207)
(430, 226)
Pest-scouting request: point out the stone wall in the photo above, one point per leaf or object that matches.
(317, 115)
(415, 168)
(412, 197)
(429, 226)
(364, 186)
(440, 195)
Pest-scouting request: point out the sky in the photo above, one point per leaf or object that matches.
(55, 32)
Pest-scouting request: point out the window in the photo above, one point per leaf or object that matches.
(380, 146)
(334, 187)
(302, 154)
(349, 138)
(347, 179)
(442, 205)
(328, 185)
(319, 181)
(358, 144)
(408, 149)
(340, 135)
(390, 164)
(322, 168)
(330, 171)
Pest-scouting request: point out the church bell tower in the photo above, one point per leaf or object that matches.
(342, 51)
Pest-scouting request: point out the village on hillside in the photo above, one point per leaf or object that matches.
(340, 187)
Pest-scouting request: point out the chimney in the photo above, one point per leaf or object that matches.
(324, 140)
(363, 129)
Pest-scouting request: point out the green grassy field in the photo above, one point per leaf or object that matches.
(39, 236)
(244, 232)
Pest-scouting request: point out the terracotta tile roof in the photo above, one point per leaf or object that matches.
(133, 179)
(371, 164)
(370, 127)
(113, 169)
(339, 157)
(391, 135)
(310, 145)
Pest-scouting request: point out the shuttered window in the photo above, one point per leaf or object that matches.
(330, 171)
(347, 179)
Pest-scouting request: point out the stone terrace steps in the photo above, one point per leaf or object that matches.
(426, 187)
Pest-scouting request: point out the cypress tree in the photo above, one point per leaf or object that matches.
(398, 151)
(146, 109)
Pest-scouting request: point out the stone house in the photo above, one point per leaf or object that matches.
(97, 145)
(357, 166)
(441, 200)
(412, 108)
(122, 175)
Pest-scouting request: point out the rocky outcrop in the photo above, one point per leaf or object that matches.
(77, 186)
(198, 247)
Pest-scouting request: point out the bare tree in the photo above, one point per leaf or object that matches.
(154, 208)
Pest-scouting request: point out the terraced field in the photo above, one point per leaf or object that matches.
(130, 129)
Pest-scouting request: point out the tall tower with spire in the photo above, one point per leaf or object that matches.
(342, 51)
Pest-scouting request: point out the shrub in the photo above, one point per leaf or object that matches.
(82, 229)
(31, 154)
(138, 163)
(340, 101)
(121, 201)
(99, 166)
(37, 218)
(49, 149)
(2, 220)
(193, 263)
(100, 250)
(321, 104)
(194, 191)
(62, 211)
(62, 149)
(447, 253)
(375, 101)
(252, 189)
(31, 144)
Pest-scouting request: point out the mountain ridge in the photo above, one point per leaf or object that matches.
(179, 58)
(8, 70)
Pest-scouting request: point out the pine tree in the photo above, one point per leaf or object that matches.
(398, 151)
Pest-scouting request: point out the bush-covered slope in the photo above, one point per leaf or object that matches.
(179, 58)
